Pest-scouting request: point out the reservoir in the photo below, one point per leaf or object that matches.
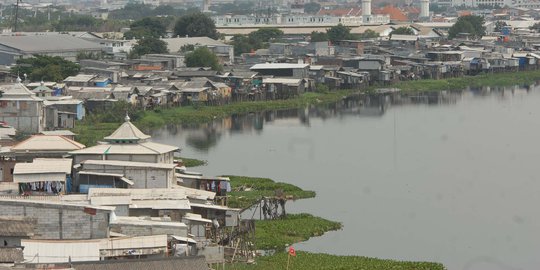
(452, 178)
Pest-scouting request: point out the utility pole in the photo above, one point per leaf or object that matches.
(16, 15)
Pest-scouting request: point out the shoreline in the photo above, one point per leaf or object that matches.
(278, 234)
(93, 128)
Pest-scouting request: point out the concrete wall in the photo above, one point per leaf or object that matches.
(6, 170)
(142, 177)
(143, 230)
(55, 221)
(25, 116)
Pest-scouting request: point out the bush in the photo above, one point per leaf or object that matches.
(322, 88)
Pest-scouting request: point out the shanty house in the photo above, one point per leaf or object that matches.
(282, 70)
(21, 109)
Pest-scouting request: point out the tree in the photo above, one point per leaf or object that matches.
(77, 22)
(402, 31)
(147, 27)
(318, 36)
(148, 45)
(196, 25)
(241, 44)
(47, 68)
(472, 25)
(255, 40)
(312, 8)
(338, 32)
(266, 34)
(369, 34)
(202, 57)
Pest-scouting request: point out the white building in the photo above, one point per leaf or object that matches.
(502, 3)
(298, 20)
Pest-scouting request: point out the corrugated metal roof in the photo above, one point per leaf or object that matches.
(184, 239)
(17, 91)
(175, 44)
(196, 193)
(127, 131)
(136, 242)
(161, 204)
(40, 177)
(48, 43)
(278, 66)
(196, 217)
(146, 222)
(39, 143)
(213, 206)
(403, 37)
(44, 165)
(282, 81)
(120, 176)
(145, 148)
(120, 163)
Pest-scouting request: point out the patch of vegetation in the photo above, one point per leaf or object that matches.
(94, 127)
(248, 190)
(191, 162)
(280, 233)
(308, 261)
(498, 79)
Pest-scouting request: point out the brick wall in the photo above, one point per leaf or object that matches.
(56, 221)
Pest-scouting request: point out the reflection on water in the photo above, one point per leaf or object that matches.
(447, 176)
(203, 137)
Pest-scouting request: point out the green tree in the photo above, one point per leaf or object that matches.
(369, 34)
(147, 27)
(312, 8)
(472, 25)
(255, 40)
(148, 45)
(77, 23)
(318, 36)
(338, 32)
(47, 68)
(241, 44)
(196, 25)
(402, 31)
(266, 34)
(202, 57)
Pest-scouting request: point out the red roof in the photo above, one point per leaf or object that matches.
(464, 13)
(395, 13)
(341, 12)
(412, 10)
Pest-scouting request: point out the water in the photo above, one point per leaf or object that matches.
(451, 179)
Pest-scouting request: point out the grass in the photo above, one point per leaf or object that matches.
(497, 79)
(280, 233)
(191, 162)
(248, 190)
(308, 261)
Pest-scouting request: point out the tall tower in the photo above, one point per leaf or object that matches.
(424, 8)
(366, 7)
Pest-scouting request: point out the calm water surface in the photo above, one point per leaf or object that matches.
(453, 179)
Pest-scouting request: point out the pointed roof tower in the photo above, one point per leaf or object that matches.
(127, 133)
